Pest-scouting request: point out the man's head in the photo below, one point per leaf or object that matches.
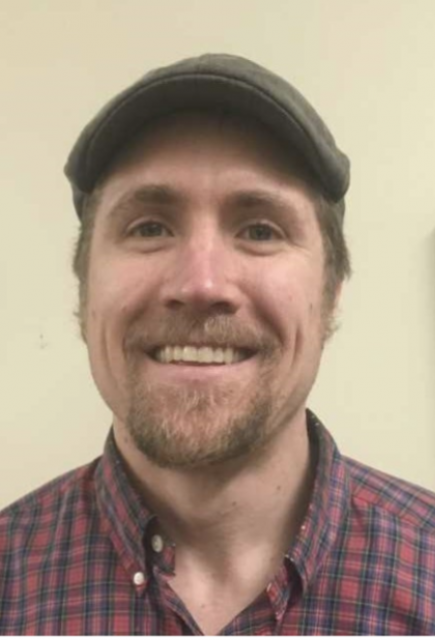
(208, 230)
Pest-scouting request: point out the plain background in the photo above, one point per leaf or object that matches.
(369, 68)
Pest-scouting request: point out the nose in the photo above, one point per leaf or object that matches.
(202, 277)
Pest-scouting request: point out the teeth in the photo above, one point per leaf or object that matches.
(202, 355)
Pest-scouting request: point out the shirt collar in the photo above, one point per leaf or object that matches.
(128, 518)
(123, 510)
(328, 507)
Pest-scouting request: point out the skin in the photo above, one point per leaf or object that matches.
(201, 260)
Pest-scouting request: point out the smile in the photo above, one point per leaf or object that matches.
(200, 355)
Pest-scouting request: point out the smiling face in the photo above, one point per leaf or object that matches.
(205, 316)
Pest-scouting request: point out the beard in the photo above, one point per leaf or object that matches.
(179, 427)
(196, 425)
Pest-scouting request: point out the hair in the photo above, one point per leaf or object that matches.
(82, 251)
(329, 218)
(337, 256)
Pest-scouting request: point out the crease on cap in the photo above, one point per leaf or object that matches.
(217, 81)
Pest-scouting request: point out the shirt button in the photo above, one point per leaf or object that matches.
(157, 543)
(138, 578)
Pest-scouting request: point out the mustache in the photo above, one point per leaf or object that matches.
(216, 330)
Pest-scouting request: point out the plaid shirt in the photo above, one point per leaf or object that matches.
(76, 559)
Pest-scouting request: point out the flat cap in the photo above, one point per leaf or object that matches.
(211, 81)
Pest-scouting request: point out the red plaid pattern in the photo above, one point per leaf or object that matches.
(76, 559)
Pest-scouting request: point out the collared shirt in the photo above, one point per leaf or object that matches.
(80, 556)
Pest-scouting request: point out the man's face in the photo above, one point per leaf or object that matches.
(205, 245)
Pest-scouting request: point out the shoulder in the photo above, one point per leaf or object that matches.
(388, 540)
(395, 522)
(42, 508)
(393, 498)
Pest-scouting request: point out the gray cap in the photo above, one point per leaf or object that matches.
(211, 81)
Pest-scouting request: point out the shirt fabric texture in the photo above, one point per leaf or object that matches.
(76, 558)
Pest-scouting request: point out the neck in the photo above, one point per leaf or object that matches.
(223, 511)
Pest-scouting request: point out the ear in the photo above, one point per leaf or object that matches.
(81, 324)
(337, 296)
(331, 324)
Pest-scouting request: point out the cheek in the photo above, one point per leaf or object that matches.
(118, 292)
(117, 295)
(290, 299)
(119, 284)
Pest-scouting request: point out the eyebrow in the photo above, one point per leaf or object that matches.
(165, 195)
(260, 198)
(151, 194)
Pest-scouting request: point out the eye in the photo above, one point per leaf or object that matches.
(149, 229)
(261, 232)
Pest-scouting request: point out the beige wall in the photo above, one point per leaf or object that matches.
(369, 67)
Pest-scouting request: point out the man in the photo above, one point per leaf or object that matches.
(210, 261)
